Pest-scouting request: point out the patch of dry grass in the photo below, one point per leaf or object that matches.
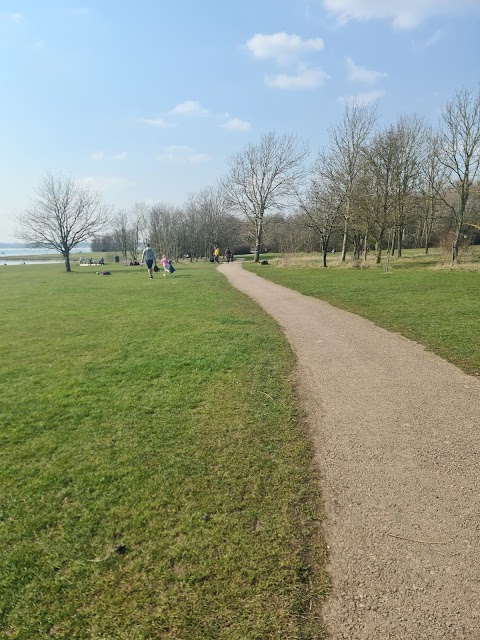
(437, 259)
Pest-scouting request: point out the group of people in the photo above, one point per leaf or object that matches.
(148, 257)
(82, 261)
(228, 255)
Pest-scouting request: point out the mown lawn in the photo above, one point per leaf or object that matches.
(438, 307)
(156, 480)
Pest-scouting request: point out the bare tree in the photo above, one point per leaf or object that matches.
(192, 243)
(63, 214)
(323, 202)
(211, 209)
(377, 195)
(460, 137)
(347, 143)
(432, 183)
(263, 177)
(165, 228)
(138, 224)
(204, 222)
(130, 228)
(410, 135)
(121, 232)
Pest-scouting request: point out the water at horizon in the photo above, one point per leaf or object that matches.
(12, 252)
(9, 252)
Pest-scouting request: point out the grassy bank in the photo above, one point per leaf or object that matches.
(420, 297)
(156, 480)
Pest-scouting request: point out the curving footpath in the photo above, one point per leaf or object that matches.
(397, 438)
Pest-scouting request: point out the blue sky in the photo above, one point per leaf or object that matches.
(147, 100)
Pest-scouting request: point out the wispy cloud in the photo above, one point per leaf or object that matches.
(403, 14)
(365, 97)
(16, 17)
(159, 123)
(189, 108)
(304, 78)
(282, 47)
(362, 74)
(100, 155)
(429, 42)
(235, 124)
(181, 154)
(107, 183)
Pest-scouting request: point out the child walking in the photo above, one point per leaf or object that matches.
(166, 265)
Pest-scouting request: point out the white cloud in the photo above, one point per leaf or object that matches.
(361, 74)
(235, 124)
(403, 14)
(159, 123)
(16, 17)
(282, 47)
(288, 49)
(181, 154)
(189, 108)
(305, 78)
(365, 97)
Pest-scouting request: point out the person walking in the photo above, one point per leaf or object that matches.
(166, 265)
(148, 256)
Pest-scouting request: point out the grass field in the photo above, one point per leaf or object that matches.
(156, 478)
(420, 297)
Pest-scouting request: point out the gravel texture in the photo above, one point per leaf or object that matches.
(397, 438)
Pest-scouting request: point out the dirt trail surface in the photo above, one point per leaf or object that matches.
(397, 437)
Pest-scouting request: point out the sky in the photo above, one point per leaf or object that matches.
(147, 101)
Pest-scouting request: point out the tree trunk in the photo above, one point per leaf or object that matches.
(400, 242)
(357, 246)
(258, 240)
(378, 257)
(66, 255)
(324, 254)
(344, 242)
(456, 242)
(387, 261)
(428, 231)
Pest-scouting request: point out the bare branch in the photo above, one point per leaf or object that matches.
(63, 214)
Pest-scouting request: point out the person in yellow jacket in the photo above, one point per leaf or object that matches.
(216, 253)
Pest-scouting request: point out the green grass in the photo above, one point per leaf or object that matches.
(437, 307)
(156, 478)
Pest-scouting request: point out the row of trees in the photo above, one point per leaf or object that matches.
(369, 187)
(380, 184)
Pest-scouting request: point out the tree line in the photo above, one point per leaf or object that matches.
(409, 184)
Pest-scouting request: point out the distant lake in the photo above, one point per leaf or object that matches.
(9, 252)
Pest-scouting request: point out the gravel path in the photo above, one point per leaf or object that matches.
(397, 437)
